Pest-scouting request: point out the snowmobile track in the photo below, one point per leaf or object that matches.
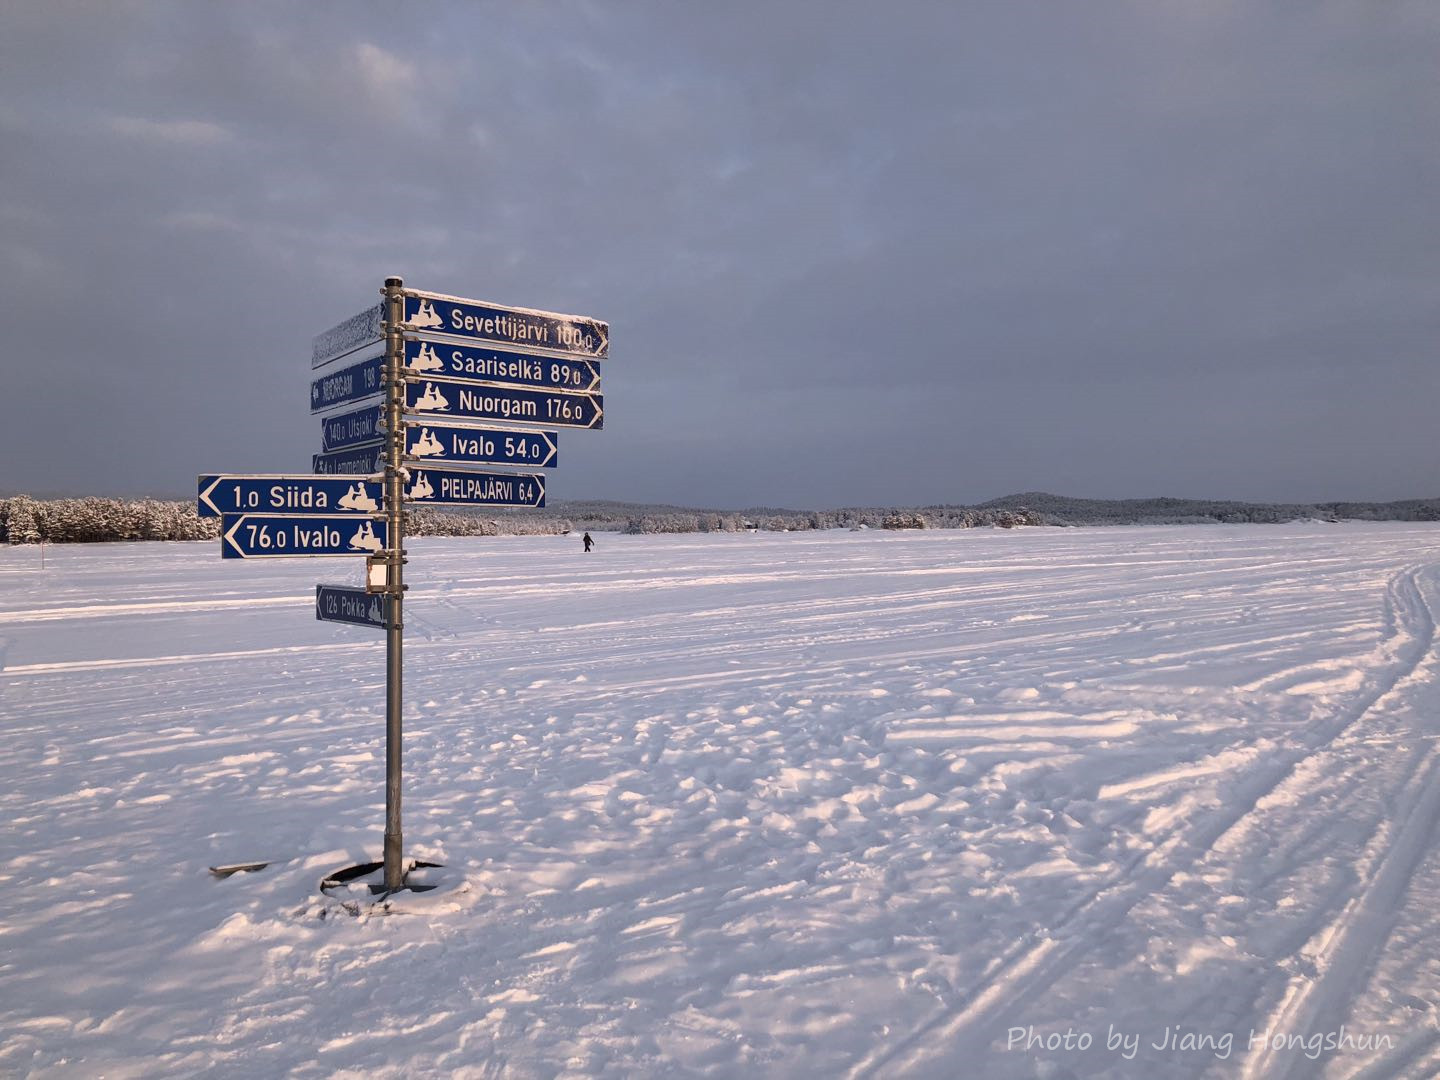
(964, 1029)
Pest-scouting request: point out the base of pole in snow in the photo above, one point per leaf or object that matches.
(366, 880)
(393, 862)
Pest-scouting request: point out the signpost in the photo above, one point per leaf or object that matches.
(501, 368)
(341, 603)
(546, 331)
(462, 487)
(466, 399)
(285, 493)
(446, 443)
(353, 383)
(351, 429)
(357, 461)
(266, 536)
(431, 357)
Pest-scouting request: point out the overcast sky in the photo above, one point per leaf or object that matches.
(850, 253)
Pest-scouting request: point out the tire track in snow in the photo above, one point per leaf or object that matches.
(167, 607)
(1342, 951)
(962, 1029)
(1418, 1048)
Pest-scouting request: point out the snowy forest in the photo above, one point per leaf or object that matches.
(27, 520)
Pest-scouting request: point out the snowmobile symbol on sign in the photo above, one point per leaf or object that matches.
(424, 360)
(365, 539)
(421, 488)
(427, 445)
(357, 499)
(425, 318)
(432, 400)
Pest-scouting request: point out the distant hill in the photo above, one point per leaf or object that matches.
(1065, 510)
(1027, 508)
(1039, 507)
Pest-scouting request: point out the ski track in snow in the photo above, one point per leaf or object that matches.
(957, 1034)
(848, 804)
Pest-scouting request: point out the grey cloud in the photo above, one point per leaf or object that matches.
(849, 254)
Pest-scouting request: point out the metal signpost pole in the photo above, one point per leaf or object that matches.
(394, 579)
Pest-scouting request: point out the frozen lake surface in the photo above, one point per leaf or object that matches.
(1138, 802)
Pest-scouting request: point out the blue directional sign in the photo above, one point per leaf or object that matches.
(341, 603)
(354, 333)
(463, 487)
(357, 461)
(261, 536)
(351, 429)
(286, 494)
(473, 364)
(353, 383)
(546, 331)
(446, 444)
(514, 404)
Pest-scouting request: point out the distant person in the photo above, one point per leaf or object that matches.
(588, 543)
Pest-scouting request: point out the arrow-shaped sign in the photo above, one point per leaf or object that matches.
(351, 429)
(438, 315)
(514, 404)
(357, 461)
(353, 383)
(474, 364)
(446, 444)
(285, 493)
(341, 603)
(260, 536)
(456, 486)
(545, 331)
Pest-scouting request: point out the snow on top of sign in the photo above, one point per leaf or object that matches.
(561, 316)
(347, 336)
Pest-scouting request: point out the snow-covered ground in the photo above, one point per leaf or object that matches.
(820, 805)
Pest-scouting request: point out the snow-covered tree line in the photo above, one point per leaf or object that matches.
(427, 521)
(940, 517)
(24, 520)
